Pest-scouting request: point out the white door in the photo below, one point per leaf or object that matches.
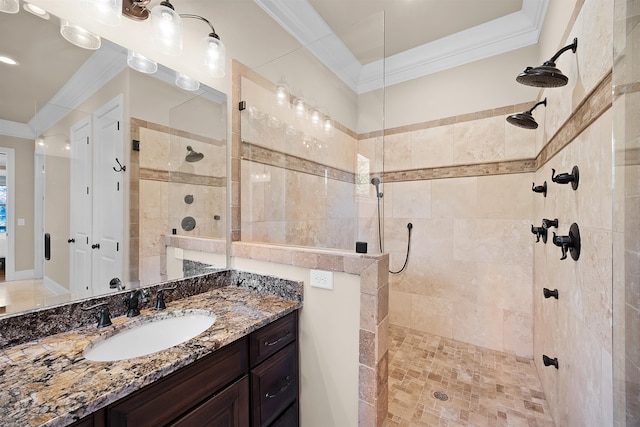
(81, 210)
(108, 200)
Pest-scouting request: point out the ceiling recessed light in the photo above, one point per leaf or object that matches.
(36, 10)
(7, 60)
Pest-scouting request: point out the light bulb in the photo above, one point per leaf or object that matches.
(214, 56)
(166, 26)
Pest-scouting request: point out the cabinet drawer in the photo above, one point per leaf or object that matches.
(289, 418)
(274, 386)
(165, 400)
(273, 337)
(226, 409)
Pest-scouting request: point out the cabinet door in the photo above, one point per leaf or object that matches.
(274, 386)
(230, 408)
(169, 398)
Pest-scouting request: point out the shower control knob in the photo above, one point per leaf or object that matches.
(548, 223)
(566, 178)
(539, 232)
(549, 361)
(539, 188)
(569, 243)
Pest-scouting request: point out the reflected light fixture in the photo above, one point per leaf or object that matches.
(187, 83)
(282, 91)
(299, 106)
(9, 6)
(39, 12)
(7, 60)
(547, 75)
(141, 63)
(106, 12)
(79, 36)
(166, 26)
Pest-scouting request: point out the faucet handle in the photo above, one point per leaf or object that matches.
(160, 304)
(104, 318)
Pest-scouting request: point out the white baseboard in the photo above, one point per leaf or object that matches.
(54, 286)
(23, 275)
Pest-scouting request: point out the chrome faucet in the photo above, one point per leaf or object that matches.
(132, 303)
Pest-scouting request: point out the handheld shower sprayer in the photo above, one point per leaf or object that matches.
(376, 183)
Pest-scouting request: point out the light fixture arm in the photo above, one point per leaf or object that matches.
(573, 46)
(543, 102)
(189, 15)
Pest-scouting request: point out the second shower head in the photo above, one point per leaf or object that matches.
(193, 156)
(525, 119)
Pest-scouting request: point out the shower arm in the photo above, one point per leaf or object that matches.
(543, 102)
(573, 46)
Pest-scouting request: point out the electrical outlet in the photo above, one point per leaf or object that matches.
(322, 279)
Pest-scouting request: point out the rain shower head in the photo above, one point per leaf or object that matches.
(193, 156)
(547, 75)
(525, 119)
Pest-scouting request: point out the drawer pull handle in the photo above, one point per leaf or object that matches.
(282, 389)
(269, 344)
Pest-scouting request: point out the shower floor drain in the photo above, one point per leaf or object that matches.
(440, 395)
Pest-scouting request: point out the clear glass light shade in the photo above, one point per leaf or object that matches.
(141, 63)
(187, 83)
(166, 27)
(315, 117)
(106, 12)
(282, 92)
(9, 6)
(38, 11)
(300, 107)
(79, 36)
(214, 56)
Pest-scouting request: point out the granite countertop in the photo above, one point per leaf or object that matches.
(48, 382)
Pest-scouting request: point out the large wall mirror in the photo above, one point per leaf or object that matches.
(105, 172)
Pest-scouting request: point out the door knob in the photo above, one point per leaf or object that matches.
(71, 241)
(95, 246)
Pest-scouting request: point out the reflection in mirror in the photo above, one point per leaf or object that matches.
(96, 169)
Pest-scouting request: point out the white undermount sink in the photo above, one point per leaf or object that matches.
(156, 334)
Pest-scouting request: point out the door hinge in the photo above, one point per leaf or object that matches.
(117, 186)
(118, 128)
(87, 190)
(117, 246)
(87, 140)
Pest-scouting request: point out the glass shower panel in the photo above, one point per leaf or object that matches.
(301, 128)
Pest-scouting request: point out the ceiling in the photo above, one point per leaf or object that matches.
(353, 38)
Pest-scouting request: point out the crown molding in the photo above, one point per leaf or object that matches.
(501, 35)
(18, 130)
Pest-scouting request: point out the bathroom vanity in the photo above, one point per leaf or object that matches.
(242, 371)
(252, 381)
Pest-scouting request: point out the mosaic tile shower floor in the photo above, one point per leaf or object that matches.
(484, 387)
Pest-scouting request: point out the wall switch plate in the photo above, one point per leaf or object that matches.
(20, 221)
(322, 279)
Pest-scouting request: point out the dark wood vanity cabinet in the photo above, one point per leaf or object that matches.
(251, 382)
(274, 374)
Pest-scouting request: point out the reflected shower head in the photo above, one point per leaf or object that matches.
(193, 156)
(547, 75)
(525, 119)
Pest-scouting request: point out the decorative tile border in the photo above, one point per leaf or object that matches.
(267, 156)
(182, 177)
(458, 171)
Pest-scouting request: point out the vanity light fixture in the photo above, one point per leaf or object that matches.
(141, 63)
(106, 12)
(9, 6)
(187, 83)
(166, 26)
(78, 36)
(39, 12)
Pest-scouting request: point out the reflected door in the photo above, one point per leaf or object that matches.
(81, 209)
(108, 200)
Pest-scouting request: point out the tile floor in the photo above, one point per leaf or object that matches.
(484, 387)
(23, 295)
